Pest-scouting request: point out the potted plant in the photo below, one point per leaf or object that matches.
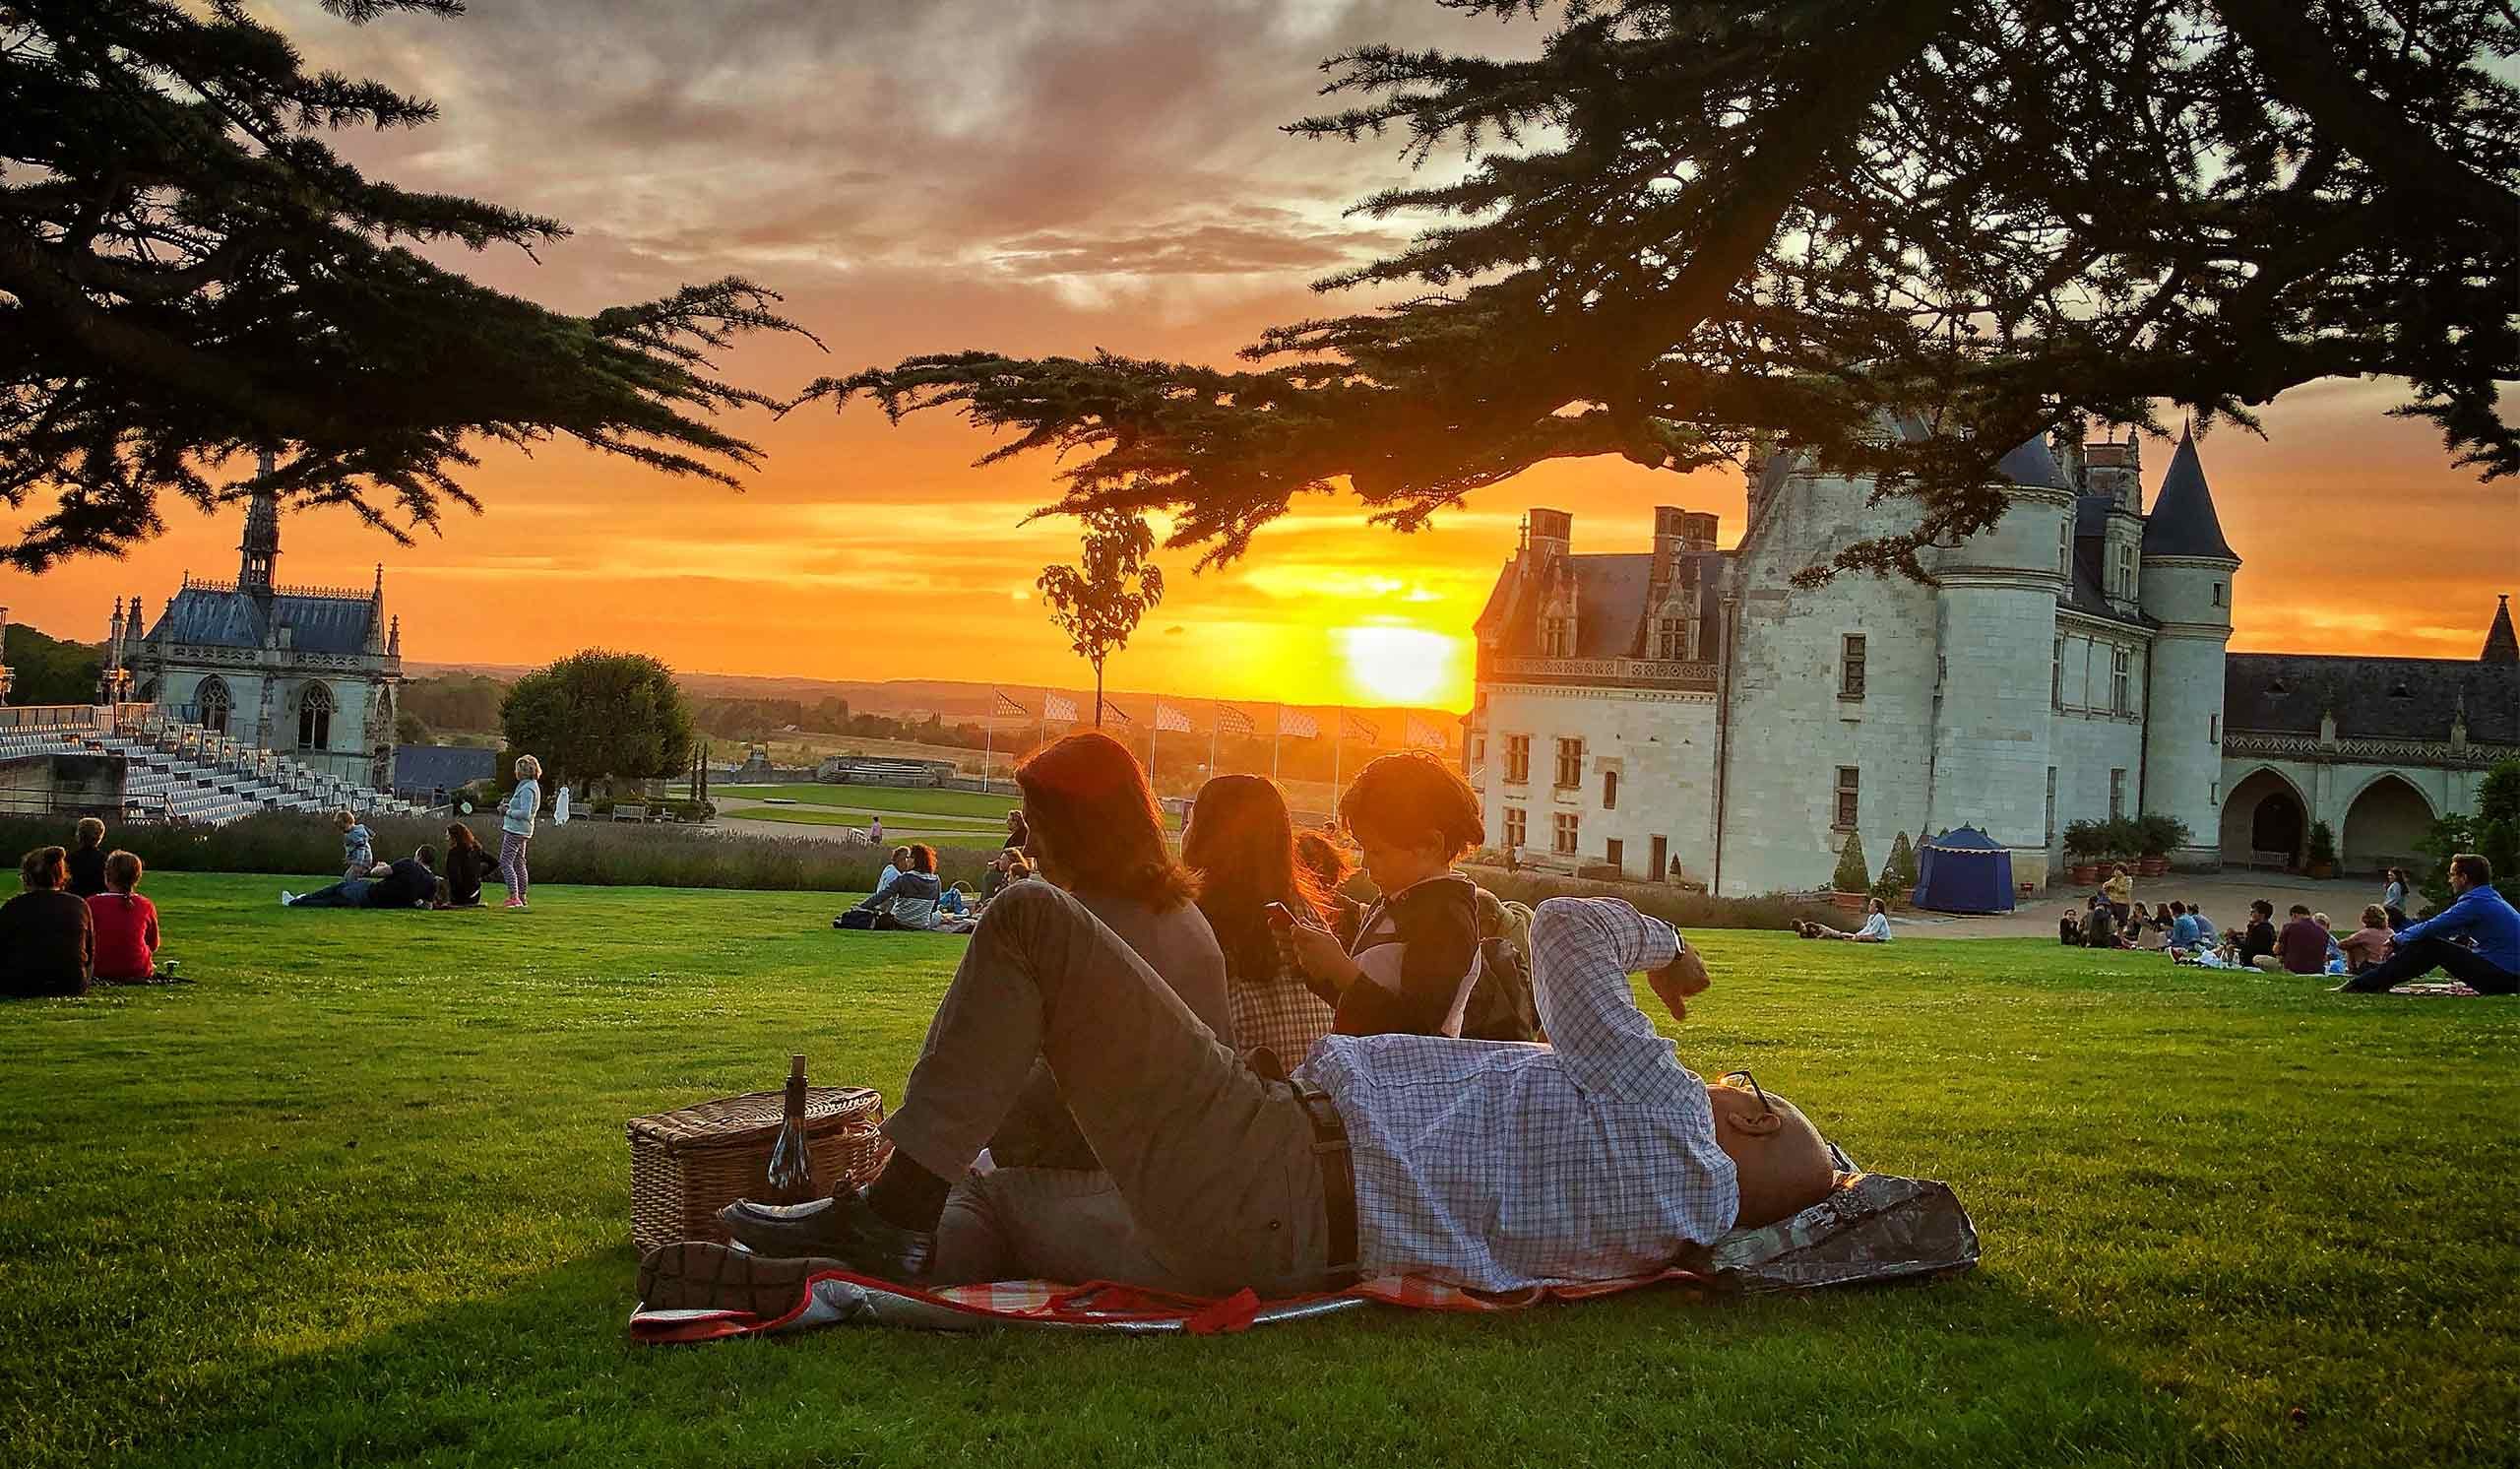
(1852, 881)
(2159, 834)
(2084, 842)
(2322, 850)
(1898, 879)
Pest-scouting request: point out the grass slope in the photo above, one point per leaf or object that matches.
(360, 1196)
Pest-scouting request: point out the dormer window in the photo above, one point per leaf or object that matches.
(1558, 637)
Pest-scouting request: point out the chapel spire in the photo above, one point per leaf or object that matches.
(258, 555)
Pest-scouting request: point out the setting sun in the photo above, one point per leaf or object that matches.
(1398, 665)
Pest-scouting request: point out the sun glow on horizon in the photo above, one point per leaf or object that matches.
(1399, 664)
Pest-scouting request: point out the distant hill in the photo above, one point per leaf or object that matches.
(953, 699)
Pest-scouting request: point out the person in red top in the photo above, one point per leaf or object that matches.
(126, 923)
(2302, 945)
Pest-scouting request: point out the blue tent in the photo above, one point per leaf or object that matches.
(1964, 870)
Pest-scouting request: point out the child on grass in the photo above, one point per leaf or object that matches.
(126, 923)
(1415, 958)
(358, 843)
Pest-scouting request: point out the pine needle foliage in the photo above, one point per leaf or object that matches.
(189, 274)
(1686, 233)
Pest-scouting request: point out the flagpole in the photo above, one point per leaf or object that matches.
(1277, 736)
(1215, 724)
(988, 740)
(1337, 747)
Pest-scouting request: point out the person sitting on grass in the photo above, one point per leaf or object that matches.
(1241, 845)
(1875, 930)
(892, 873)
(2099, 924)
(2302, 946)
(2069, 926)
(468, 864)
(358, 843)
(2184, 932)
(1413, 963)
(2254, 945)
(1493, 1167)
(47, 940)
(2368, 944)
(126, 925)
(410, 882)
(2479, 915)
(88, 858)
(904, 895)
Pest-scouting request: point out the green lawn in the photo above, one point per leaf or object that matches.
(924, 801)
(359, 1196)
(948, 830)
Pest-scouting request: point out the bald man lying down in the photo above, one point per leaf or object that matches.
(1491, 1165)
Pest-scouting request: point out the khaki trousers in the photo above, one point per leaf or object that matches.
(1212, 1181)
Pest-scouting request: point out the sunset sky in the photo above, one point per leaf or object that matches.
(920, 176)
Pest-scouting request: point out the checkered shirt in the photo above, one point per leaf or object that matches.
(1278, 1011)
(1499, 1166)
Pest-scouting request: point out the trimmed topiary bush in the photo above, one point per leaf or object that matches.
(1854, 875)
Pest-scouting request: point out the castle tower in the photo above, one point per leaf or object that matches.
(258, 555)
(2188, 578)
(1995, 603)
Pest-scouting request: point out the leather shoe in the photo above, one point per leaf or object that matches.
(840, 1227)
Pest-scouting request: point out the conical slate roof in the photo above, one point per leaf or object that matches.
(2182, 521)
(2032, 464)
(2500, 646)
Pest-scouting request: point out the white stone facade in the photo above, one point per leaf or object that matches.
(2069, 664)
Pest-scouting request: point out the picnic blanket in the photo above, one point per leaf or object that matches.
(1874, 1228)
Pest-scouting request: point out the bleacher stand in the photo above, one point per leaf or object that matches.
(178, 771)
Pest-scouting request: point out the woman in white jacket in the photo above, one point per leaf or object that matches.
(516, 828)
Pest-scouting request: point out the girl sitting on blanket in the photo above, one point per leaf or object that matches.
(1241, 844)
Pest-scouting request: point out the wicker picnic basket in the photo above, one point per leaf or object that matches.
(688, 1164)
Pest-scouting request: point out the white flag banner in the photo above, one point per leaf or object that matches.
(1298, 723)
(1006, 705)
(1352, 728)
(1235, 722)
(1424, 734)
(1117, 715)
(1059, 708)
(1172, 721)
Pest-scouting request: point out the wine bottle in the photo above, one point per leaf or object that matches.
(791, 1168)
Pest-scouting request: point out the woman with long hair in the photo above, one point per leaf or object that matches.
(1093, 828)
(467, 864)
(1242, 846)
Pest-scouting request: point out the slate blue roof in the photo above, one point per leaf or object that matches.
(434, 767)
(220, 618)
(2032, 464)
(2183, 522)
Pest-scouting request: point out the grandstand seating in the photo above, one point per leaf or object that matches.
(182, 772)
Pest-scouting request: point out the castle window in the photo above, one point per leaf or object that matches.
(1570, 764)
(2213, 728)
(1851, 666)
(1849, 785)
(1564, 835)
(2121, 679)
(315, 717)
(2065, 550)
(2126, 571)
(2218, 594)
(1615, 853)
(1515, 828)
(1558, 637)
(1671, 639)
(1518, 759)
(1609, 789)
(2051, 805)
(2116, 794)
(2056, 676)
(214, 703)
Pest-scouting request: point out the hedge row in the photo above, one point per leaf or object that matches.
(1681, 909)
(601, 853)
